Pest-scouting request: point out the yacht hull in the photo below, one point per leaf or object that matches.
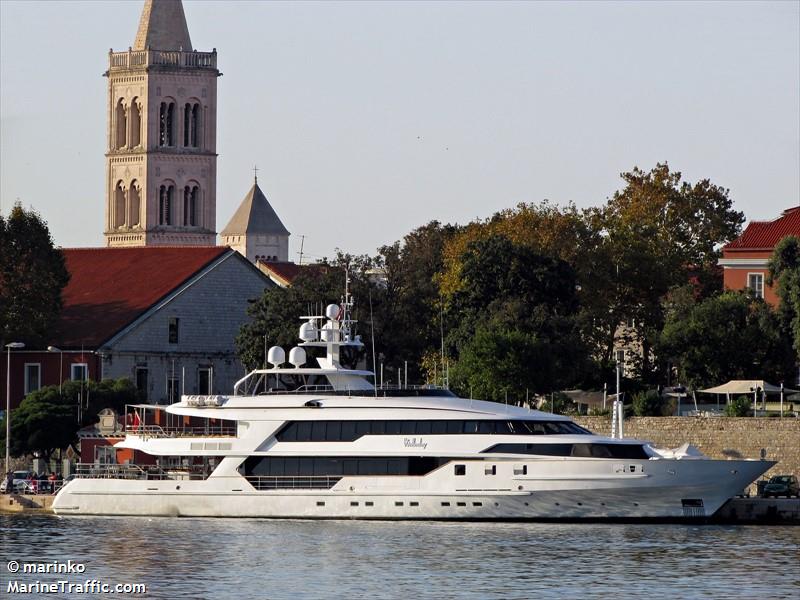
(548, 490)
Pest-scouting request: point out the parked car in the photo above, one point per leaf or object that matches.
(21, 483)
(782, 485)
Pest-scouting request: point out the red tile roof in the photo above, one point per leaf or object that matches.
(287, 272)
(110, 287)
(765, 235)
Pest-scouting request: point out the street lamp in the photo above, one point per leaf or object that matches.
(60, 366)
(14, 345)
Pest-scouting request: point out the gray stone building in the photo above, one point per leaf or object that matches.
(165, 317)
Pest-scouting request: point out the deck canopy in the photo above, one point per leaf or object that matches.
(745, 386)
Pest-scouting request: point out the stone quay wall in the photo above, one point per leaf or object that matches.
(717, 437)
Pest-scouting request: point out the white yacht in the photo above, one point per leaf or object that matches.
(325, 441)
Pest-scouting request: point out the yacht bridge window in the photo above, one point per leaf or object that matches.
(349, 431)
(635, 451)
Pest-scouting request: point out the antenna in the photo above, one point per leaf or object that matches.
(372, 335)
(302, 242)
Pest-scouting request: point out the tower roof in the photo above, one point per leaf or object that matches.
(163, 27)
(255, 215)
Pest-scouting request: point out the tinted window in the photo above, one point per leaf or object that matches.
(470, 427)
(408, 427)
(439, 427)
(303, 431)
(393, 427)
(333, 431)
(318, 431)
(348, 431)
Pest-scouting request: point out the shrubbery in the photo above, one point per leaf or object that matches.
(739, 407)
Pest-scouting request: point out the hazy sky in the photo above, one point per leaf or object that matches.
(369, 119)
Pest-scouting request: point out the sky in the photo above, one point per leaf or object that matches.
(368, 119)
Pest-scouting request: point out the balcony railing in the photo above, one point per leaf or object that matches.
(157, 431)
(170, 58)
(129, 471)
(268, 482)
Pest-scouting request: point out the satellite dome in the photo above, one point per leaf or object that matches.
(332, 311)
(297, 357)
(276, 356)
(308, 333)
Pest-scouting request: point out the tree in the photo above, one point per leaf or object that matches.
(648, 404)
(33, 274)
(408, 308)
(730, 336)
(49, 419)
(660, 232)
(510, 296)
(784, 270)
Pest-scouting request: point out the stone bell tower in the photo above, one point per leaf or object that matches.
(161, 163)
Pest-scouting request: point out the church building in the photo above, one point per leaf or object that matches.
(161, 163)
(256, 231)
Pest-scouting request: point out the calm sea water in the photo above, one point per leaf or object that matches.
(220, 558)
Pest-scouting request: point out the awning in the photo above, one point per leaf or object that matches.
(745, 386)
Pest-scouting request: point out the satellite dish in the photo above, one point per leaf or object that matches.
(276, 356)
(327, 332)
(297, 357)
(308, 333)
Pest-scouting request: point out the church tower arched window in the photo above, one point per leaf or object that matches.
(166, 198)
(134, 204)
(122, 124)
(119, 204)
(191, 124)
(136, 123)
(191, 201)
(166, 124)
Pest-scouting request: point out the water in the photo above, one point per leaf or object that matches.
(276, 559)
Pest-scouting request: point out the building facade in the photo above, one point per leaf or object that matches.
(161, 161)
(256, 231)
(745, 260)
(166, 318)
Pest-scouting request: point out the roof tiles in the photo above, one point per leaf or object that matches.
(110, 287)
(765, 235)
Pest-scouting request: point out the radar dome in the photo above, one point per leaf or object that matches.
(276, 356)
(297, 356)
(308, 333)
(327, 333)
(332, 311)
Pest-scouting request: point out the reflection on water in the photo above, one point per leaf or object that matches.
(205, 558)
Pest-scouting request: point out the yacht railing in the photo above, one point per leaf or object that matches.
(311, 482)
(129, 471)
(158, 431)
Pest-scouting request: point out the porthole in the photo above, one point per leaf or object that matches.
(354, 504)
(526, 504)
(320, 504)
(496, 504)
(580, 503)
(445, 504)
(557, 504)
(398, 504)
(369, 503)
(477, 504)
(461, 503)
(413, 503)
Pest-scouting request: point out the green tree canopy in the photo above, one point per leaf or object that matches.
(660, 232)
(509, 295)
(784, 270)
(729, 336)
(32, 275)
(49, 419)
